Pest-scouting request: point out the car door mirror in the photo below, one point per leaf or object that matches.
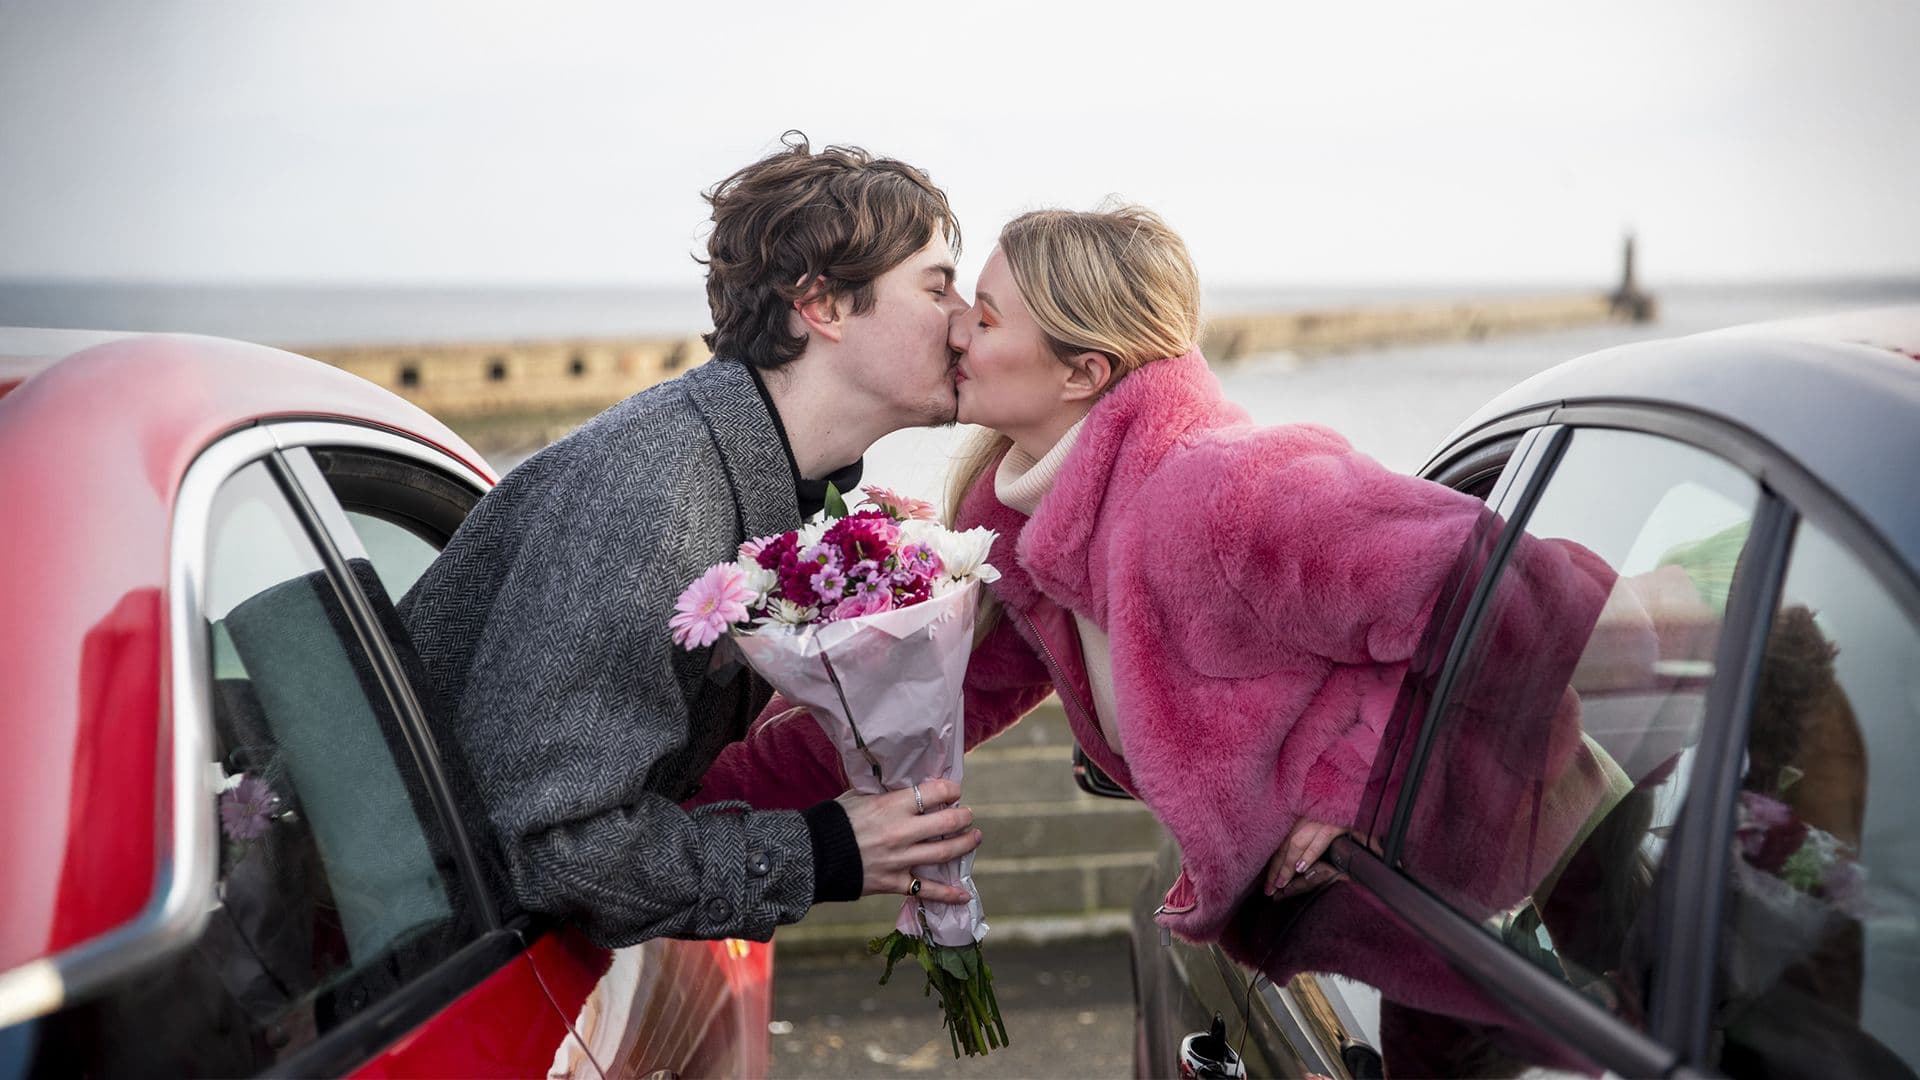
(1208, 1056)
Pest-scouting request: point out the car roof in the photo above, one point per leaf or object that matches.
(1840, 395)
(93, 448)
(27, 351)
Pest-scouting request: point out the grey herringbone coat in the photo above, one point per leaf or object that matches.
(543, 630)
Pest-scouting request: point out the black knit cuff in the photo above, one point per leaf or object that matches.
(837, 873)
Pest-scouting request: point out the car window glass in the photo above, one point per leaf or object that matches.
(335, 886)
(1820, 960)
(399, 554)
(1559, 762)
(390, 518)
(402, 512)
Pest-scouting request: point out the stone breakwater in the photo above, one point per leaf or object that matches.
(510, 397)
(1229, 337)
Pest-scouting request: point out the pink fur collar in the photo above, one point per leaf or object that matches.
(1153, 410)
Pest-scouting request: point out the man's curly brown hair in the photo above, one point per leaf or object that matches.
(797, 219)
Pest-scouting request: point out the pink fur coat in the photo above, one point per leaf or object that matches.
(1262, 590)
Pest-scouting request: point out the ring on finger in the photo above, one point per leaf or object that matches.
(919, 807)
(914, 889)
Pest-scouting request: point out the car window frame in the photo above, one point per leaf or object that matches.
(281, 448)
(186, 857)
(1677, 1006)
(1396, 778)
(1548, 1004)
(498, 942)
(178, 910)
(334, 535)
(1692, 905)
(1690, 902)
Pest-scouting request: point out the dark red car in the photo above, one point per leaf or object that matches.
(230, 845)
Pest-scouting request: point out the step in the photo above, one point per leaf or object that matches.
(841, 944)
(1084, 825)
(1010, 887)
(1019, 774)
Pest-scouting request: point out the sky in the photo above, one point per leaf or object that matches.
(567, 143)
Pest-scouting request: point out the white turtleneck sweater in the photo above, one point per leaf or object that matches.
(1021, 483)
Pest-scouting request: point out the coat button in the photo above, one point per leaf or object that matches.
(719, 911)
(757, 864)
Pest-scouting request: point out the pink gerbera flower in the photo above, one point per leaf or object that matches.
(715, 601)
(900, 507)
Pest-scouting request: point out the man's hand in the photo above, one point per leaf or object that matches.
(1296, 868)
(894, 837)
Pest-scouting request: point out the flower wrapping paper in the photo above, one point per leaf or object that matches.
(901, 672)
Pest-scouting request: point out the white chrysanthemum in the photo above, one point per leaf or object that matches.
(810, 535)
(915, 531)
(758, 578)
(964, 554)
(788, 613)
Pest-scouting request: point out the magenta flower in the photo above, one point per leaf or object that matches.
(1767, 830)
(714, 602)
(899, 507)
(868, 534)
(774, 550)
(247, 809)
(796, 581)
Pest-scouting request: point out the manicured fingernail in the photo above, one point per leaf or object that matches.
(1300, 867)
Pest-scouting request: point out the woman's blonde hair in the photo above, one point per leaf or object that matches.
(1115, 281)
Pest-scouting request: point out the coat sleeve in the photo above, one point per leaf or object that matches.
(575, 695)
(787, 762)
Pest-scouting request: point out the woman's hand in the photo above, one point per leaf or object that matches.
(1296, 868)
(894, 837)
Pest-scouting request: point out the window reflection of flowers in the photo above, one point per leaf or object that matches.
(248, 807)
(1772, 838)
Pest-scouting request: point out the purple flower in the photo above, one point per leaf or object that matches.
(247, 809)
(822, 554)
(829, 584)
(920, 560)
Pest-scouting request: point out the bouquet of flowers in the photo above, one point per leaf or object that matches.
(866, 619)
(1810, 861)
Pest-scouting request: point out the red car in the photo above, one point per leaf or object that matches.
(230, 844)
